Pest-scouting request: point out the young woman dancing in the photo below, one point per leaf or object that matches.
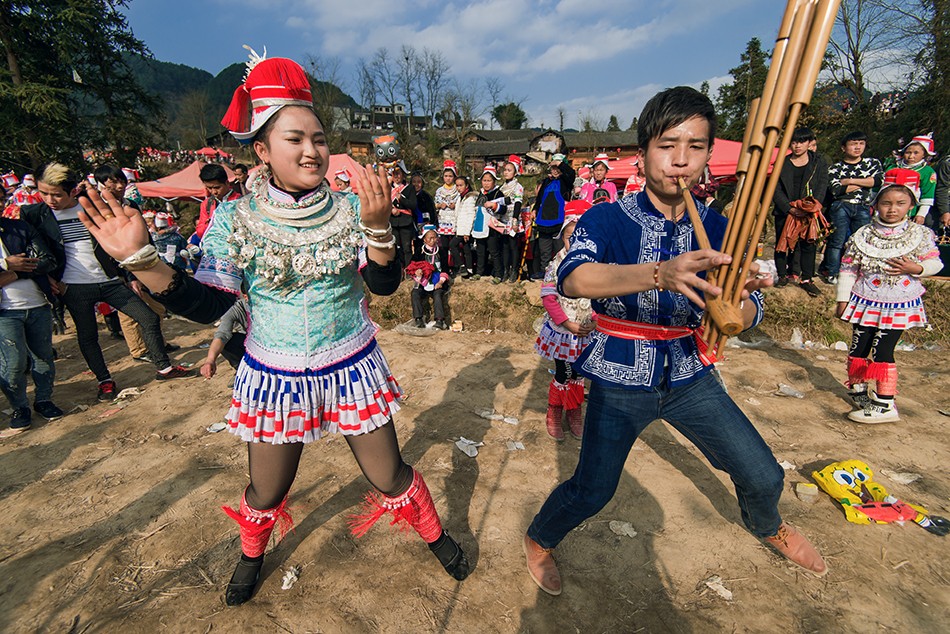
(312, 365)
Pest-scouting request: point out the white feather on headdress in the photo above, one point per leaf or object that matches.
(253, 60)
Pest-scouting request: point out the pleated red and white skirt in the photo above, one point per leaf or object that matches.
(353, 396)
(885, 315)
(559, 346)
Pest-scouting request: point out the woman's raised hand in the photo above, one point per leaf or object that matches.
(376, 205)
(120, 230)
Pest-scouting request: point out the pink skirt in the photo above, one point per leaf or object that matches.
(353, 396)
(559, 346)
(885, 315)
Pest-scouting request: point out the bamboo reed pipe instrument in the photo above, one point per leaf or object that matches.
(796, 60)
(727, 317)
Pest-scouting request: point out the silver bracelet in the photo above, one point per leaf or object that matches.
(389, 244)
(375, 233)
(144, 258)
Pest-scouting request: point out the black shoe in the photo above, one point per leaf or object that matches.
(244, 581)
(513, 277)
(170, 347)
(177, 372)
(451, 556)
(143, 359)
(440, 324)
(537, 277)
(831, 280)
(21, 418)
(420, 323)
(467, 274)
(48, 410)
(782, 282)
(810, 288)
(107, 390)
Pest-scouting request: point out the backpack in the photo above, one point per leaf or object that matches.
(551, 206)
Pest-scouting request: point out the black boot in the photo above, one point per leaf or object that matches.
(451, 556)
(244, 580)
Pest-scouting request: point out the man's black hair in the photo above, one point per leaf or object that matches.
(241, 166)
(803, 135)
(105, 172)
(213, 173)
(672, 107)
(857, 135)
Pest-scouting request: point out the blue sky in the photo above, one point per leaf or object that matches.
(588, 57)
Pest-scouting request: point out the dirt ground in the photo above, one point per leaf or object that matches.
(112, 519)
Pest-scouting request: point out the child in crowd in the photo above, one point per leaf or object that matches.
(342, 181)
(880, 293)
(915, 156)
(446, 199)
(429, 276)
(404, 206)
(553, 192)
(461, 244)
(563, 337)
(169, 242)
(852, 180)
(489, 199)
(636, 181)
(228, 339)
(598, 189)
(513, 192)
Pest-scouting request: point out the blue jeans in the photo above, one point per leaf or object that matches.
(24, 334)
(846, 219)
(701, 411)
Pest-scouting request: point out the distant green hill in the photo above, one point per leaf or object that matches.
(195, 100)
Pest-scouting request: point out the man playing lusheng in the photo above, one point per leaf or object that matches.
(637, 260)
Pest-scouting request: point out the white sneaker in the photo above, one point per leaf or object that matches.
(876, 411)
(859, 397)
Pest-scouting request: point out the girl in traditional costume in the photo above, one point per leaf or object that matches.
(563, 336)
(880, 293)
(312, 365)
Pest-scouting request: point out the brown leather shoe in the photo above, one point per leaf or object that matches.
(542, 567)
(797, 549)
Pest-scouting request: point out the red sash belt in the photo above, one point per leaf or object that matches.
(640, 331)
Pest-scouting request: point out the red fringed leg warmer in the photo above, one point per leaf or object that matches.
(556, 394)
(886, 376)
(857, 371)
(256, 526)
(574, 394)
(415, 507)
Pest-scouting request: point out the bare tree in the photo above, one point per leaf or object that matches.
(561, 114)
(385, 76)
(326, 88)
(193, 118)
(410, 72)
(434, 81)
(463, 109)
(493, 87)
(366, 88)
(868, 38)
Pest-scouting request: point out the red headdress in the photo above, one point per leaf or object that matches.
(450, 165)
(270, 84)
(515, 160)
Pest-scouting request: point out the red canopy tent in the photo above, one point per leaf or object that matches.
(339, 162)
(722, 164)
(210, 151)
(183, 184)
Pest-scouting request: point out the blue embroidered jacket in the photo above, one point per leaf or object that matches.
(632, 231)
